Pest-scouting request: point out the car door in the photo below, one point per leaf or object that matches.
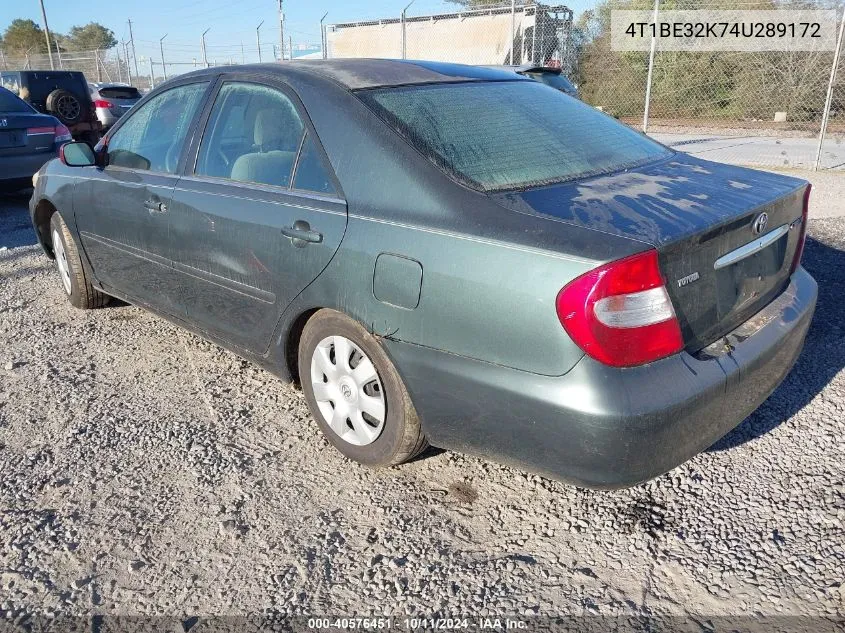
(122, 214)
(257, 216)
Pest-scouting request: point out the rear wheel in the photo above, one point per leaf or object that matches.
(75, 282)
(355, 393)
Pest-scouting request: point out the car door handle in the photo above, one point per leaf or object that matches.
(300, 234)
(155, 207)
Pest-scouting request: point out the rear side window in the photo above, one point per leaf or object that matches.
(11, 103)
(510, 135)
(11, 82)
(119, 93)
(253, 135)
(311, 174)
(153, 136)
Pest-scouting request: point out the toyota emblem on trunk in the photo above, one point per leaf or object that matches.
(760, 223)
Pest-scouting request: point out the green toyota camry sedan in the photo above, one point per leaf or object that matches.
(447, 255)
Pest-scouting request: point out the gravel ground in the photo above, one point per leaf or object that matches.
(145, 471)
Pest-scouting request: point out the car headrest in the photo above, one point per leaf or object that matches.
(268, 131)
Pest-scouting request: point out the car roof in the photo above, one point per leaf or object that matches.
(358, 74)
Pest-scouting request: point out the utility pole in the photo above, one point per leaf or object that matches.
(134, 56)
(161, 48)
(258, 39)
(47, 33)
(281, 32)
(204, 56)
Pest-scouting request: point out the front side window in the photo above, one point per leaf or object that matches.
(510, 134)
(153, 136)
(253, 135)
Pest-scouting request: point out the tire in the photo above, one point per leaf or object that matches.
(398, 437)
(65, 106)
(75, 282)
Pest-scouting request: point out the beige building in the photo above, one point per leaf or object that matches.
(533, 33)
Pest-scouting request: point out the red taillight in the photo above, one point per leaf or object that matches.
(802, 231)
(620, 313)
(63, 134)
(33, 131)
(102, 103)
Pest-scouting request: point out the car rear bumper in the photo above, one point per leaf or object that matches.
(21, 167)
(603, 427)
(107, 117)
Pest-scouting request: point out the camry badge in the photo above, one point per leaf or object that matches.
(760, 223)
(683, 281)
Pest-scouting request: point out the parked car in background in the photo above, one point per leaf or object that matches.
(548, 75)
(63, 94)
(433, 264)
(27, 140)
(113, 100)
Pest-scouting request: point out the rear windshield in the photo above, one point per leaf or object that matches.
(10, 103)
(510, 135)
(554, 80)
(120, 92)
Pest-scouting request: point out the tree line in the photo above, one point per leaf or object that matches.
(25, 37)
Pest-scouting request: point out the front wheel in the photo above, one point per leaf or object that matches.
(355, 393)
(75, 282)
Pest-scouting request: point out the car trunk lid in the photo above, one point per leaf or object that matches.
(121, 98)
(24, 133)
(703, 219)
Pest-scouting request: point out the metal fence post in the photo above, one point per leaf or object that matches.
(403, 33)
(404, 40)
(650, 69)
(323, 39)
(97, 63)
(513, 32)
(161, 48)
(152, 75)
(59, 53)
(829, 99)
(128, 68)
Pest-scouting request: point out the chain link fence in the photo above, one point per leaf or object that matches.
(774, 109)
(762, 108)
(98, 65)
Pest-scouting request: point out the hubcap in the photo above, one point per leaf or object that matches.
(61, 261)
(348, 391)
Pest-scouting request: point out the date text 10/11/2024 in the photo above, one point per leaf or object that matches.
(412, 624)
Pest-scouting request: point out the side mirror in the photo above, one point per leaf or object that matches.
(77, 155)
